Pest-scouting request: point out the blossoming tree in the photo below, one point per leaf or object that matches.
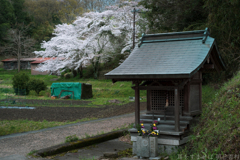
(91, 38)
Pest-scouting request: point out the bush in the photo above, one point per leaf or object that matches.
(88, 72)
(19, 82)
(64, 72)
(37, 85)
(32, 93)
(68, 75)
(41, 93)
(45, 93)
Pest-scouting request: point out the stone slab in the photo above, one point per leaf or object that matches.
(143, 146)
(153, 146)
(166, 141)
(155, 158)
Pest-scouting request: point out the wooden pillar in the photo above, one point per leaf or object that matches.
(148, 100)
(200, 92)
(137, 104)
(176, 108)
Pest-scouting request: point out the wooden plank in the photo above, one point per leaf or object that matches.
(176, 102)
(195, 113)
(186, 94)
(137, 104)
(157, 87)
(65, 91)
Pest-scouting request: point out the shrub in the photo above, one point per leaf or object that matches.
(64, 72)
(45, 93)
(37, 85)
(19, 82)
(41, 93)
(88, 72)
(68, 75)
(32, 93)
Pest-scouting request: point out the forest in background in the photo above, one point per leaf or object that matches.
(36, 19)
(33, 21)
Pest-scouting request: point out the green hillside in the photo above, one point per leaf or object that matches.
(218, 132)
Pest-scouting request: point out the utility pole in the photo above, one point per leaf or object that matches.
(134, 14)
(134, 17)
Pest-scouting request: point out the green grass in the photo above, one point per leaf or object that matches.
(19, 126)
(6, 76)
(103, 90)
(218, 131)
(71, 138)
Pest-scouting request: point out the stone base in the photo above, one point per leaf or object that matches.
(167, 146)
(168, 149)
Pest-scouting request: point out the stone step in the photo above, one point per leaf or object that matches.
(169, 122)
(149, 116)
(165, 128)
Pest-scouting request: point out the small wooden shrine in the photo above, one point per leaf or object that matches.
(170, 66)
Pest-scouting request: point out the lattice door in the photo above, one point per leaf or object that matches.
(158, 99)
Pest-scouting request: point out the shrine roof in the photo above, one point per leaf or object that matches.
(168, 55)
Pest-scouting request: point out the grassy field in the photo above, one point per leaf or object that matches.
(103, 90)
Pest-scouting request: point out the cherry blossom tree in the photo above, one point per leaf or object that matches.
(92, 38)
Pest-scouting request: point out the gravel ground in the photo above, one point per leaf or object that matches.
(25, 143)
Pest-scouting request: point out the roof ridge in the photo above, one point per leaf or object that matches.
(175, 33)
(175, 36)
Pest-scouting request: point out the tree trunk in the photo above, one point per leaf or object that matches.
(80, 71)
(96, 67)
(74, 72)
(19, 51)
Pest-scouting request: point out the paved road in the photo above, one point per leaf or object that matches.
(18, 145)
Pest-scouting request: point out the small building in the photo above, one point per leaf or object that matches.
(170, 66)
(26, 63)
(11, 63)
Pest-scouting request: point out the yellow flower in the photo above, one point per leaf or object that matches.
(154, 124)
(142, 124)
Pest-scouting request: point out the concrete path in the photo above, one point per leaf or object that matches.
(17, 146)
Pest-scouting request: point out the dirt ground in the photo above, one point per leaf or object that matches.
(62, 114)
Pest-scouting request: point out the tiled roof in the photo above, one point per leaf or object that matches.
(32, 60)
(21, 59)
(40, 60)
(176, 55)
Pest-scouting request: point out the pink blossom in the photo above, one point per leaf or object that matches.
(155, 128)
